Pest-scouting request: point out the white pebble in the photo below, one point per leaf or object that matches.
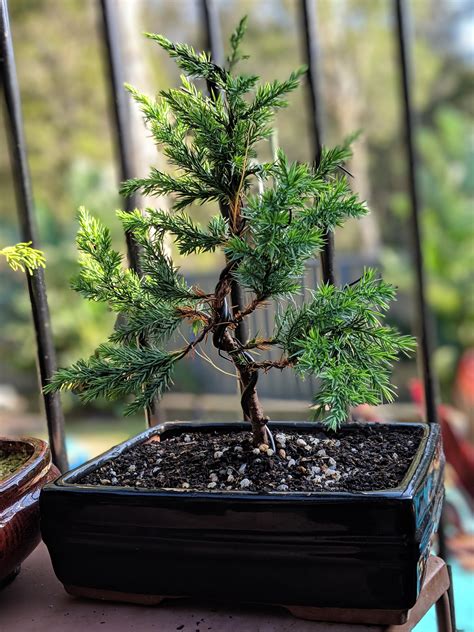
(238, 448)
(212, 485)
(218, 454)
(291, 462)
(332, 461)
(230, 478)
(244, 483)
(255, 451)
(270, 452)
(308, 448)
(281, 439)
(132, 468)
(321, 452)
(187, 438)
(213, 477)
(315, 470)
(242, 468)
(301, 442)
(282, 488)
(185, 485)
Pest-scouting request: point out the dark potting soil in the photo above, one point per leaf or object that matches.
(355, 459)
(11, 460)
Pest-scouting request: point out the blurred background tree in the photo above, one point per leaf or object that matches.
(61, 68)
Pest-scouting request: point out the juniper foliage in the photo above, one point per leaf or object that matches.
(23, 257)
(210, 141)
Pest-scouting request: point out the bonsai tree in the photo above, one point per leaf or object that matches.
(267, 237)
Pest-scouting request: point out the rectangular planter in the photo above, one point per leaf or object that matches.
(321, 549)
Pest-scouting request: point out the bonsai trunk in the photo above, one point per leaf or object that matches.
(251, 405)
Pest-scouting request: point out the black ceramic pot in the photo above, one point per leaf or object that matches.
(322, 549)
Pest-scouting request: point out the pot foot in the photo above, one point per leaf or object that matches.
(114, 595)
(5, 581)
(349, 615)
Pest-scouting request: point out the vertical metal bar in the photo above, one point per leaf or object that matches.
(311, 50)
(213, 43)
(423, 331)
(123, 140)
(401, 14)
(121, 118)
(36, 282)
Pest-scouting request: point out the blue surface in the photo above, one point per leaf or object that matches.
(463, 583)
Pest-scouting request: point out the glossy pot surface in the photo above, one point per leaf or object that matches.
(322, 549)
(19, 502)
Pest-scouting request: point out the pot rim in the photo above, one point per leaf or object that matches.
(406, 489)
(33, 468)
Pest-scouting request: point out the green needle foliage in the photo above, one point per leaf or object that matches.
(23, 257)
(210, 140)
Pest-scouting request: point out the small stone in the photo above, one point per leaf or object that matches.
(354, 450)
(256, 451)
(185, 485)
(314, 440)
(213, 477)
(242, 468)
(114, 480)
(281, 439)
(317, 479)
(132, 468)
(155, 471)
(301, 469)
(308, 448)
(291, 462)
(328, 483)
(212, 485)
(244, 483)
(238, 448)
(104, 481)
(230, 478)
(301, 442)
(321, 452)
(330, 472)
(282, 453)
(229, 471)
(270, 452)
(337, 443)
(395, 456)
(263, 447)
(187, 439)
(315, 470)
(218, 454)
(332, 461)
(282, 488)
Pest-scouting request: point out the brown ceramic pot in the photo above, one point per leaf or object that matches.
(19, 508)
